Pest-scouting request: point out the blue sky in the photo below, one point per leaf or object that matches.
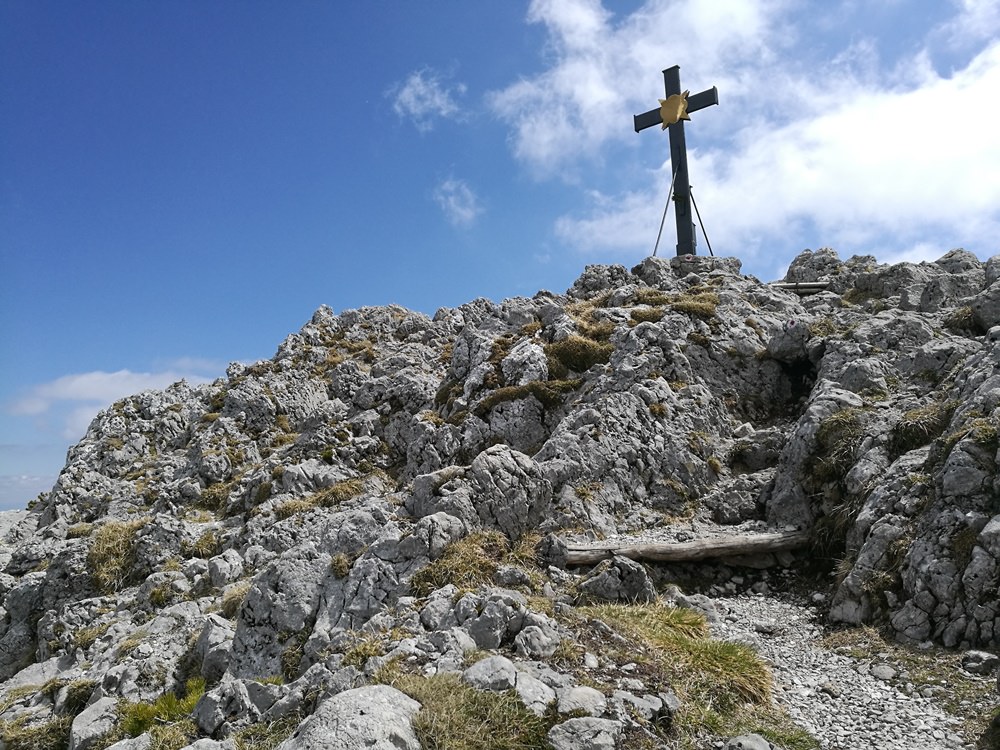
(183, 183)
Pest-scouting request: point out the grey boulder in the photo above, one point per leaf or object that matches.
(378, 717)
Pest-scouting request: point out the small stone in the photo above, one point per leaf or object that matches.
(590, 661)
(883, 672)
(767, 627)
(586, 732)
(831, 688)
(980, 662)
(749, 742)
(582, 698)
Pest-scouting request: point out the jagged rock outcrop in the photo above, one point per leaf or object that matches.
(292, 533)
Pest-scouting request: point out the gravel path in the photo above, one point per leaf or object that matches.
(840, 700)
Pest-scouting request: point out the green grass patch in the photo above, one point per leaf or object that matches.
(137, 718)
(368, 645)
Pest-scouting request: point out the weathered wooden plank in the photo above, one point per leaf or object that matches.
(802, 288)
(700, 549)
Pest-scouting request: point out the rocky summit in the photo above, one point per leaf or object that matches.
(651, 512)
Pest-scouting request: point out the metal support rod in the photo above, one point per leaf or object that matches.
(701, 224)
(666, 207)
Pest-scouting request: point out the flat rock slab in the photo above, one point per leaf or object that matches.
(377, 717)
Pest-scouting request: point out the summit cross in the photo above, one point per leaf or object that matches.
(671, 114)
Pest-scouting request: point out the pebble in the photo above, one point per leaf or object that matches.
(825, 692)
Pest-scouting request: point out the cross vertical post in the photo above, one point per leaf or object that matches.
(671, 115)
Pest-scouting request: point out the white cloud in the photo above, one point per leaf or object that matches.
(459, 203)
(976, 20)
(423, 97)
(78, 397)
(600, 70)
(854, 154)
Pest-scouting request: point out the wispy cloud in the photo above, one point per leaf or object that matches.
(424, 97)
(976, 20)
(79, 396)
(459, 203)
(867, 153)
(601, 69)
(853, 179)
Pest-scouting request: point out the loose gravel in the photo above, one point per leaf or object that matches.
(846, 703)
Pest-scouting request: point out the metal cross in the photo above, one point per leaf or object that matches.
(671, 114)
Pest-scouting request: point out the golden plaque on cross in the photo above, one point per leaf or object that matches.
(674, 109)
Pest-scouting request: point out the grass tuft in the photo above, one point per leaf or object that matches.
(266, 735)
(455, 716)
(473, 561)
(232, 600)
(167, 718)
(576, 354)
(550, 393)
(50, 735)
(112, 554)
(723, 686)
(466, 563)
(700, 304)
(919, 426)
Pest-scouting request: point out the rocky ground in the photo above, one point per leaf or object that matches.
(376, 528)
(842, 696)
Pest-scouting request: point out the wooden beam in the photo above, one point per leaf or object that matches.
(802, 288)
(719, 546)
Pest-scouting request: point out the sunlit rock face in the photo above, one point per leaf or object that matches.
(391, 489)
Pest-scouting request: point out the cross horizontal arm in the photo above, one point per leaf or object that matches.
(695, 102)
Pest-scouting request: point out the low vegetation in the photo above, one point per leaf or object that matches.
(456, 716)
(700, 303)
(724, 688)
(917, 427)
(112, 554)
(473, 561)
(550, 393)
(327, 497)
(576, 354)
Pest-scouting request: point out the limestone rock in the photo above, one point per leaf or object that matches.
(750, 742)
(586, 733)
(94, 721)
(618, 579)
(272, 523)
(377, 716)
